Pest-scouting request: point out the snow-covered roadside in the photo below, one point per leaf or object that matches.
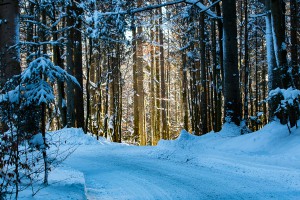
(225, 165)
(64, 183)
(270, 153)
(272, 145)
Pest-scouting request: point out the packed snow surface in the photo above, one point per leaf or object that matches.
(225, 165)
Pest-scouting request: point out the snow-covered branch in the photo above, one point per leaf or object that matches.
(201, 6)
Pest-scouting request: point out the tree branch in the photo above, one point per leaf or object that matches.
(202, 7)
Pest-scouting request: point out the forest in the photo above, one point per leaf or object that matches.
(140, 71)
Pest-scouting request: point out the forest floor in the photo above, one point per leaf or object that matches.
(261, 165)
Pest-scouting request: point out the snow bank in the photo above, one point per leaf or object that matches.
(274, 138)
(64, 183)
(271, 145)
(76, 136)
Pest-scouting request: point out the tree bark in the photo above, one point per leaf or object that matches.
(138, 86)
(152, 85)
(184, 92)
(57, 60)
(278, 33)
(247, 69)
(79, 103)
(273, 72)
(70, 69)
(75, 109)
(294, 43)
(203, 103)
(231, 73)
(162, 80)
(9, 40)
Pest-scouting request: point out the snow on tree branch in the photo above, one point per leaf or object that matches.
(202, 7)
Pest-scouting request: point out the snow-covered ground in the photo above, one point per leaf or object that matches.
(224, 165)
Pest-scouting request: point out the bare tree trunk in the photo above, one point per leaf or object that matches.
(294, 43)
(89, 51)
(9, 34)
(79, 103)
(264, 85)
(220, 72)
(203, 102)
(162, 80)
(70, 69)
(152, 86)
(256, 76)
(105, 123)
(273, 72)
(231, 73)
(157, 89)
(184, 92)
(138, 86)
(247, 68)
(278, 33)
(75, 110)
(29, 34)
(57, 60)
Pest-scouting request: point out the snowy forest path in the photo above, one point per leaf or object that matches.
(127, 172)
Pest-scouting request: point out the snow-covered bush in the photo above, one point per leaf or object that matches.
(288, 104)
(23, 103)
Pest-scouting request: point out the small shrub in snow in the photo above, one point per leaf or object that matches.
(288, 104)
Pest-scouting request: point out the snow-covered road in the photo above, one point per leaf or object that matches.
(129, 172)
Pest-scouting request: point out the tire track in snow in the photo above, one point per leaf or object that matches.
(126, 172)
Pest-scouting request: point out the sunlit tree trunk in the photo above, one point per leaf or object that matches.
(138, 76)
(157, 88)
(162, 79)
(152, 85)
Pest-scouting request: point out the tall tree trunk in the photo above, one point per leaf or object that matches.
(79, 103)
(278, 33)
(138, 86)
(29, 34)
(214, 75)
(157, 88)
(247, 70)
(70, 68)
(256, 76)
(89, 51)
(185, 109)
(273, 72)
(9, 40)
(44, 152)
(294, 43)
(162, 79)
(203, 102)
(231, 72)
(220, 72)
(105, 123)
(264, 85)
(75, 109)
(57, 60)
(152, 85)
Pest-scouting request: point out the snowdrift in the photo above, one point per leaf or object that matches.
(272, 142)
(270, 154)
